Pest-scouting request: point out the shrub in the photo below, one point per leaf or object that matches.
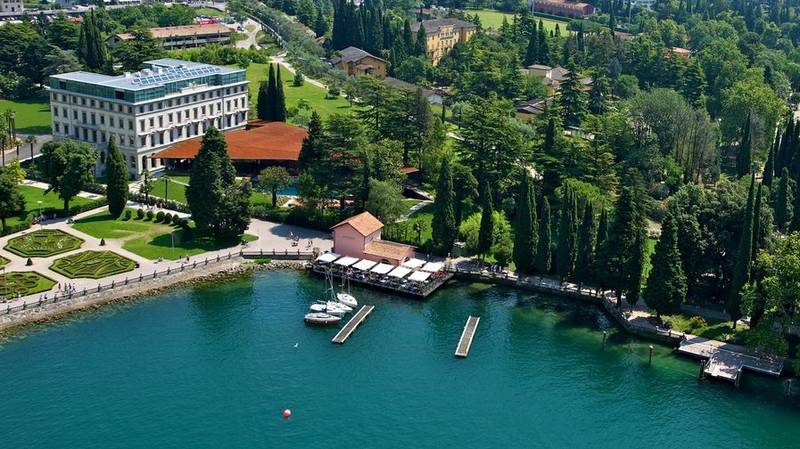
(167, 218)
(139, 213)
(176, 220)
(697, 322)
(150, 215)
(299, 80)
(128, 214)
(102, 242)
(160, 215)
(29, 262)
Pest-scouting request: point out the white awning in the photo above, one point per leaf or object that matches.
(346, 261)
(433, 267)
(382, 268)
(399, 272)
(364, 265)
(413, 263)
(419, 276)
(328, 257)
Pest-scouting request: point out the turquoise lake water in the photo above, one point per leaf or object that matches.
(214, 367)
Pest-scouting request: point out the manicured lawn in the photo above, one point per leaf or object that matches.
(43, 243)
(3, 261)
(494, 19)
(32, 116)
(148, 239)
(404, 231)
(34, 194)
(175, 191)
(717, 330)
(649, 249)
(314, 95)
(92, 265)
(24, 283)
(209, 12)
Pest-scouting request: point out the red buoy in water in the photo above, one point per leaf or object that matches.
(287, 414)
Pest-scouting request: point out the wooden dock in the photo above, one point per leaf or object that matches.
(345, 332)
(462, 350)
(727, 361)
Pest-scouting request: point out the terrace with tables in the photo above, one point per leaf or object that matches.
(414, 277)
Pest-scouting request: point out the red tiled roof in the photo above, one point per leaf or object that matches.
(273, 141)
(365, 223)
(387, 249)
(182, 30)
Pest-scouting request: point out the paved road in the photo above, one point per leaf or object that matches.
(25, 150)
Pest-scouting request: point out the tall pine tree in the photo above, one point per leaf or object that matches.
(769, 166)
(744, 158)
(666, 286)
(783, 201)
(584, 259)
(486, 231)
(117, 176)
(525, 226)
(543, 252)
(444, 221)
(280, 98)
(741, 271)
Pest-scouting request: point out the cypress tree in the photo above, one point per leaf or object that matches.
(408, 38)
(544, 51)
(311, 151)
(262, 101)
(204, 192)
(666, 286)
(421, 47)
(565, 250)
(769, 166)
(117, 176)
(621, 262)
(532, 52)
(272, 93)
(744, 158)
(757, 222)
(543, 254)
(782, 213)
(794, 223)
(444, 221)
(741, 271)
(486, 231)
(785, 146)
(524, 226)
(584, 260)
(280, 99)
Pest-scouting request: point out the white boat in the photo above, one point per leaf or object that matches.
(338, 305)
(318, 307)
(334, 308)
(347, 299)
(321, 318)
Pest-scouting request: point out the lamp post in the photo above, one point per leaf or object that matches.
(166, 188)
(39, 202)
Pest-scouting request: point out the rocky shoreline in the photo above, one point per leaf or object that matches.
(222, 271)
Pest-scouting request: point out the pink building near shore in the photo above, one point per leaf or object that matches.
(360, 236)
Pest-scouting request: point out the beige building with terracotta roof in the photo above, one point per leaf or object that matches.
(360, 236)
(185, 36)
(442, 35)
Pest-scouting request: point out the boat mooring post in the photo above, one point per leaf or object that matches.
(650, 360)
(605, 337)
(702, 369)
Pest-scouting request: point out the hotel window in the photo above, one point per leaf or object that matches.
(152, 122)
(161, 121)
(130, 125)
(66, 129)
(57, 127)
(141, 125)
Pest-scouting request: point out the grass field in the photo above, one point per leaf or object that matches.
(177, 191)
(149, 239)
(204, 11)
(32, 116)
(34, 194)
(717, 330)
(314, 95)
(493, 19)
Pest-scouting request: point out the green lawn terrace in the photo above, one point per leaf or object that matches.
(43, 243)
(92, 265)
(173, 188)
(37, 199)
(23, 283)
(494, 19)
(151, 239)
(32, 116)
(314, 96)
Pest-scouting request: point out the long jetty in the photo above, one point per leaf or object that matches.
(345, 332)
(465, 342)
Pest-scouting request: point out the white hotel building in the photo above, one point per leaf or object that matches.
(166, 102)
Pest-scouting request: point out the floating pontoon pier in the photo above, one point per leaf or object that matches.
(727, 361)
(465, 342)
(345, 332)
